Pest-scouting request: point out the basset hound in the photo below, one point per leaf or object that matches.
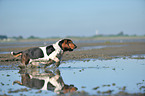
(52, 53)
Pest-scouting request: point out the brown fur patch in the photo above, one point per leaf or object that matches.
(18, 82)
(68, 45)
(71, 44)
(69, 89)
(65, 45)
(17, 55)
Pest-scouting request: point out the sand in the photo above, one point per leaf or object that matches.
(124, 49)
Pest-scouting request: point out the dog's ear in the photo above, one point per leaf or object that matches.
(64, 45)
(60, 44)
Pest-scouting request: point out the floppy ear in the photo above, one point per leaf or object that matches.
(60, 44)
(63, 45)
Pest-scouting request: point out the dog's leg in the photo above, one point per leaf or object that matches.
(25, 60)
(57, 62)
(57, 72)
(49, 63)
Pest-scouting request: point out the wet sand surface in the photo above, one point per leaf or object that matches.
(114, 49)
(104, 68)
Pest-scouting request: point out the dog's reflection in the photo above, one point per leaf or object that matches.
(48, 80)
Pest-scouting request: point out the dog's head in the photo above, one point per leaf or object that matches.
(67, 45)
(69, 88)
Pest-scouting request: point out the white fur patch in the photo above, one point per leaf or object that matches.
(53, 80)
(53, 56)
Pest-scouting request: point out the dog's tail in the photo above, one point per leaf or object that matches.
(16, 54)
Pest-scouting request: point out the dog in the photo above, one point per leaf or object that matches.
(52, 53)
(48, 80)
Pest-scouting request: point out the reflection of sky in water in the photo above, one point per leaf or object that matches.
(122, 72)
(93, 73)
(99, 47)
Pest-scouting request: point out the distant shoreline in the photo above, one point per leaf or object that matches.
(74, 38)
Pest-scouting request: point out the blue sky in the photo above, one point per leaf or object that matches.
(60, 18)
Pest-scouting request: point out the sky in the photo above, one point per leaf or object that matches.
(61, 18)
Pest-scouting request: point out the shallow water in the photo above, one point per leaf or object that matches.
(99, 47)
(5, 52)
(92, 76)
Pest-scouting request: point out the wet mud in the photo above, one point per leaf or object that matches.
(114, 49)
(104, 68)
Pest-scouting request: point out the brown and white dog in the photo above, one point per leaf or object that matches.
(49, 53)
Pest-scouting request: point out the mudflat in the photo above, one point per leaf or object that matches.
(103, 50)
(115, 76)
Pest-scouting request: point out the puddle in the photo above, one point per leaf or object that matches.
(99, 47)
(92, 76)
(4, 52)
(138, 56)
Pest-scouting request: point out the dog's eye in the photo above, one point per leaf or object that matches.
(69, 42)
